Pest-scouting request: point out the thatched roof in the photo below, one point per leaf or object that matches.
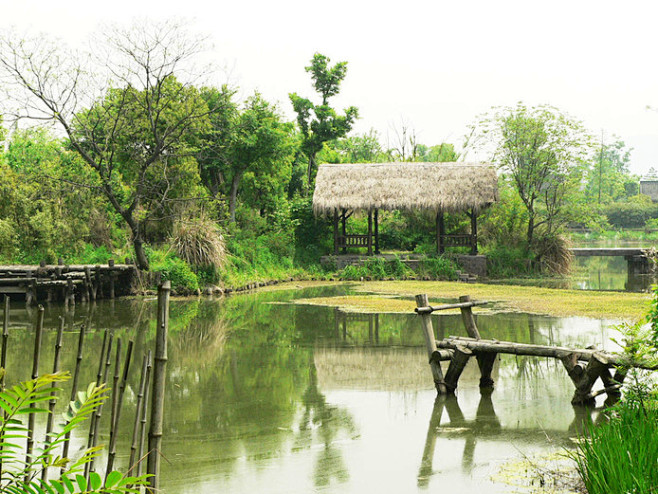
(405, 186)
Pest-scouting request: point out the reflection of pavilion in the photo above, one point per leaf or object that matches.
(485, 426)
(343, 318)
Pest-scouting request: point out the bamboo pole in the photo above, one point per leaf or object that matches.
(74, 385)
(138, 413)
(142, 425)
(5, 341)
(94, 429)
(3, 356)
(35, 374)
(115, 420)
(53, 401)
(430, 344)
(115, 384)
(159, 375)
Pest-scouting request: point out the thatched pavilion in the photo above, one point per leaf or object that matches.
(437, 187)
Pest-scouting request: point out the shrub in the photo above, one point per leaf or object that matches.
(376, 268)
(630, 214)
(178, 272)
(508, 262)
(438, 268)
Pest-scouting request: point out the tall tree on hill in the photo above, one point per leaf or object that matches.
(321, 123)
(129, 117)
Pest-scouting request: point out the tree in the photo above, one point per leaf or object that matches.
(254, 140)
(545, 153)
(320, 123)
(608, 175)
(128, 117)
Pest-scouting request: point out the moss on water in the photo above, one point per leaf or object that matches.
(549, 301)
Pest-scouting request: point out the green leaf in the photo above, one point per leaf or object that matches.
(82, 482)
(67, 482)
(113, 478)
(58, 486)
(95, 481)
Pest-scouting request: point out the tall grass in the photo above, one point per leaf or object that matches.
(199, 243)
(621, 456)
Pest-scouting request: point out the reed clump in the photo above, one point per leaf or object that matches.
(621, 455)
(200, 243)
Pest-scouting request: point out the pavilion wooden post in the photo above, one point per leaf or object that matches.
(344, 231)
(440, 232)
(430, 344)
(335, 232)
(474, 233)
(370, 232)
(377, 231)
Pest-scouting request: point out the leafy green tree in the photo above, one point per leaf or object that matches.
(131, 135)
(608, 174)
(223, 119)
(255, 141)
(42, 214)
(320, 123)
(439, 153)
(544, 153)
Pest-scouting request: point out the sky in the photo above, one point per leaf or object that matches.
(434, 65)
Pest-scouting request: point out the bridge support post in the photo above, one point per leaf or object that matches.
(596, 366)
(458, 361)
(638, 265)
(430, 344)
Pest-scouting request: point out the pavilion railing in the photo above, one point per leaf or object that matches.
(459, 240)
(345, 241)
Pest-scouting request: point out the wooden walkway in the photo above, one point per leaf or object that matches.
(584, 365)
(65, 282)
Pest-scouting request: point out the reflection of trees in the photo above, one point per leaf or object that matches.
(327, 422)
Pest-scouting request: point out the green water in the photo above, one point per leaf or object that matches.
(268, 396)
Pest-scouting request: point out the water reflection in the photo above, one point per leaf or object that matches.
(264, 395)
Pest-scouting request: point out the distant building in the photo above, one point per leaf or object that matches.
(649, 187)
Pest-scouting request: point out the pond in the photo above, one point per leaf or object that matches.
(264, 395)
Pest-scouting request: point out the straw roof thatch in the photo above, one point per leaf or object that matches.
(449, 187)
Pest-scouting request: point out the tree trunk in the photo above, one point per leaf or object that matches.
(310, 173)
(531, 230)
(140, 256)
(233, 196)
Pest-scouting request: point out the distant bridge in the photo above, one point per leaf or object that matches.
(610, 251)
(638, 261)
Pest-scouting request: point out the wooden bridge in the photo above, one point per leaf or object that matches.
(638, 258)
(65, 282)
(584, 365)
